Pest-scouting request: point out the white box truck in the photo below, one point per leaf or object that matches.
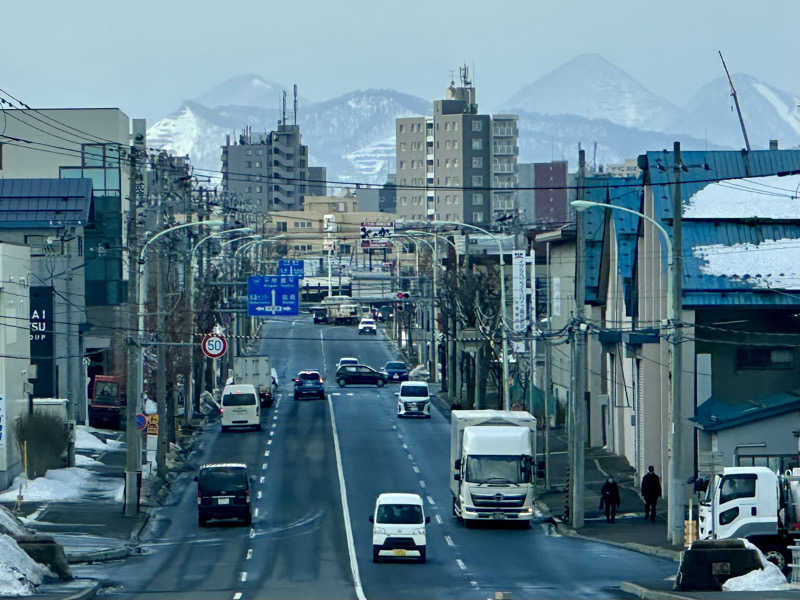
(492, 464)
(757, 504)
(256, 370)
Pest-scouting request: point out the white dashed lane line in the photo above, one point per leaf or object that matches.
(259, 495)
(243, 576)
(237, 596)
(415, 468)
(461, 564)
(255, 512)
(405, 446)
(438, 519)
(411, 457)
(449, 540)
(266, 452)
(263, 466)
(431, 501)
(252, 533)
(261, 480)
(269, 442)
(249, 555)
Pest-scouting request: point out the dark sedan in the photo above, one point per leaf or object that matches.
(309, 384)
(395, 371)
(359, 375)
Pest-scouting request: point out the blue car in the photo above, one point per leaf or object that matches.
(395, 371)
(309, 384)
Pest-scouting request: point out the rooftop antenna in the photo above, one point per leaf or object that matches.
(736, 101)
(594, 158)
(295, 104)
(283, 109)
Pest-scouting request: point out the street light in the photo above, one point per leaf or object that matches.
(190, 387)
(503, 308)
(674, 507)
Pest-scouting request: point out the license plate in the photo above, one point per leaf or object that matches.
(399, 552)
(499, 515)
(223, 501)
(395, 376)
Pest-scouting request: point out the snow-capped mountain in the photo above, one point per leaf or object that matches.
(247, 90)
(768, 113)
(589, 86)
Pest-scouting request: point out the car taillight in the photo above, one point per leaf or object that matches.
(321, 380)
(247, 496)
(199, 497)
(221, 411)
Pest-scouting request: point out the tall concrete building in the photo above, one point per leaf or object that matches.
(270, 171)
(450, 165)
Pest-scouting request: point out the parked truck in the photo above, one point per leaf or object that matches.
(256, 370)
(492, 460)
(107, 402)
(757, 504)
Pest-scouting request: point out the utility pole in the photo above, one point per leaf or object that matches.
(548, 377)
(132, 436)
(577, 397)
(432, 320)
(675, 506)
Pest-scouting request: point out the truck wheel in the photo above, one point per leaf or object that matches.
(380, 382)
(341, 381)
(779, 556)
(376, 556)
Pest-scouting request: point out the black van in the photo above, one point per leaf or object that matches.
(223, 492)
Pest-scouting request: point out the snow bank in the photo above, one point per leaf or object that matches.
(86, 440)
(770, 264)
(10, 524)
(85, 461)
(769, 197)
(766, 579)
(19, 573)
(64, 485)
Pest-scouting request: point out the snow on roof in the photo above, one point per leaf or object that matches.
(769, 197)
(770, 264)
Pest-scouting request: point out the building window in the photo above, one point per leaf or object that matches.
(402, 146)
(249, 164)
(477, 125)
(402, 164)
(400, 128)
(477, 198)
(477, 180)
(455, 163)
(477, 144)
(477, 216)
(258, 164)
(446, 163)
(764, 358)
(455, 125)
(477, 161)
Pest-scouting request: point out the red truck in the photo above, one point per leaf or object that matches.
(107, 404)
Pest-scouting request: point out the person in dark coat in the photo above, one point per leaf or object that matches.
(651, 492)
(609, 497)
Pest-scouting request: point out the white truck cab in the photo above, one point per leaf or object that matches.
(240, 407)
(398, 527)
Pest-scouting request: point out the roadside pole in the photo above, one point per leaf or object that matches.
(578, 392)
(132, 452)
(161, 371)
(548, 378)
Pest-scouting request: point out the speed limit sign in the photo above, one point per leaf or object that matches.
(214, 346)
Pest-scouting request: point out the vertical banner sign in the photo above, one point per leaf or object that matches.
(3, 434)
(41, 305)
(519, 309)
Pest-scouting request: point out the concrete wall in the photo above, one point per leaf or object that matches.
(14, 346)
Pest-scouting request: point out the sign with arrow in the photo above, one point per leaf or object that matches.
(273, 295)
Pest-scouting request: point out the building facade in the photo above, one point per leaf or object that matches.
(450, 164)
(267, 172)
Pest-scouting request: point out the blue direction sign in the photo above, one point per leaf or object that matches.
(291, 266)
(273, 295)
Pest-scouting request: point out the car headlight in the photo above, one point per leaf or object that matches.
(418, 531)
(380, 531)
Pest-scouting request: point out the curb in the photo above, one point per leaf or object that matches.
(647, 594)
(99, 555)
(86, 594)
(674, 555)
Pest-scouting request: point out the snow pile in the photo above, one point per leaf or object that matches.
(766, 579)
(770, 264)
(85, 461)
(64, 485)
(86, 440)
(769, 197)
(10, 524)
(19, 573)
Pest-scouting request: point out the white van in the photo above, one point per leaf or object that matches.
(414, 400)
(240, 407)
(398, 527)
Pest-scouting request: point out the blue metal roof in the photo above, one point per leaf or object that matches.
(44, 203)
(626, 227)
(596, 190)
(742, 290)
(718, 413)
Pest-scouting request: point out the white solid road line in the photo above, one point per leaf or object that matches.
(449, 540)
(461, 564)
(351, 549)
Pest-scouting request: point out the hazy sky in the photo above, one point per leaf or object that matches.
(148, 56)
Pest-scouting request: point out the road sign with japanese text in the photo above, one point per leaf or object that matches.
(273, 295)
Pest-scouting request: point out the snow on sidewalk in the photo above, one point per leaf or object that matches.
(19, 573)
(86, 440)
(65, 485)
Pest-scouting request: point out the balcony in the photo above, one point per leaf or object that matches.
(429, 139)
(505, 150)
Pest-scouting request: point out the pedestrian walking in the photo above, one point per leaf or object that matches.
(651, 492)
(609, 497)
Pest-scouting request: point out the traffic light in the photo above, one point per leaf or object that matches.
(403, 295)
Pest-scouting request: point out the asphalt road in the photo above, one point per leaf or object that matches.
(298, 546)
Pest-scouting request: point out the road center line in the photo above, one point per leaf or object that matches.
(438, 519)
(252, 533)
(415, 468)
(243, 576)
(449, 540)
(345, 510)
(411, 457)
(431, 501)
(258, 495)
(261, 480)
(421, 483)
(269, 442)
(237, 596)
(255, 512)
(461, 564)
(249, 554)
(266, 452)
(263, 466)
(405, 446)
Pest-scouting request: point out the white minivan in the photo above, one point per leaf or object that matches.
(240, 407)
(398, 527)
(414, 400)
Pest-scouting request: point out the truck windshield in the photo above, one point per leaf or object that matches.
(397, 514)
(494, 469)
(106, 392)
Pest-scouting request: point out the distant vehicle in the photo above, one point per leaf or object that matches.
(398, 527)
(491, 457)
(240, 407)
(107, 404)
(341, 310)
(320, 315)
(414, 400)
(395, 371)
(309, 384)
(346, 360)
(367, 327)
(257, 370)
(223, 492)
(359, 375)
